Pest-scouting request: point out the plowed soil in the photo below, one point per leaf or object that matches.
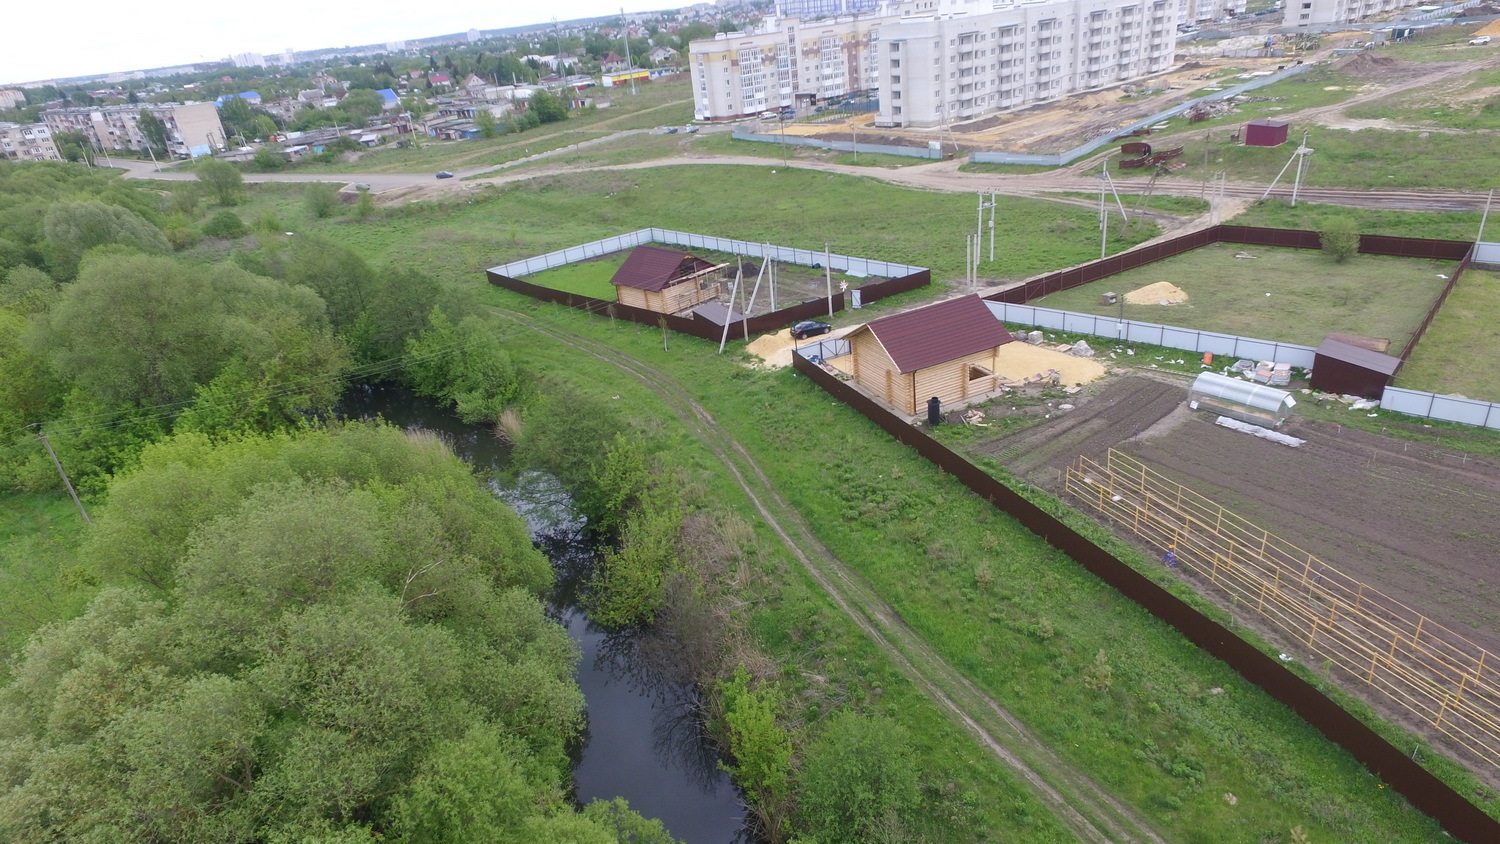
(1413, 522)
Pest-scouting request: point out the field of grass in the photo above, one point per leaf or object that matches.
(38, 582)
(1320, 86)
(620, 149)
(586, 278)
(1368, 158)
(1291, 295)
(1470, 103)
(1017, 617)
(1440, 44)
(800, 208)
(1279, 214)
(1455, 354)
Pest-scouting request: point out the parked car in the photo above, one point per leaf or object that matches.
(1480, 41)
(444, 174)
(809, 328)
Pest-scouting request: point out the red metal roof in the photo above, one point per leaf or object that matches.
(654, 268)
(939, 333)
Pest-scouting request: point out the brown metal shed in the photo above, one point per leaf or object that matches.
(1340, 367)
(1265, 132)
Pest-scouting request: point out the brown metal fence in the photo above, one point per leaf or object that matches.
(1459, 817)
(1432, 312)
(702, 328)
(1430, 671)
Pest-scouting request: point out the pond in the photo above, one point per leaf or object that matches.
(643, 741)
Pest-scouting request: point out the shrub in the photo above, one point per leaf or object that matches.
(1340, 239)
(225, 224)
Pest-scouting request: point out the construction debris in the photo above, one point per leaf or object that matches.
(1256, 430)
(976, 418)
(1081, 349)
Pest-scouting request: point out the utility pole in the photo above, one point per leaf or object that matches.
(629, 64)
(992, 226)
(1486, 216)
(1302, 153)
(828, 276)
(67, 483)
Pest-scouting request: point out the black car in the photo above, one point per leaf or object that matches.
(444, 174)
(809, 328)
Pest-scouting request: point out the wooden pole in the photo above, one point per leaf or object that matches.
(67, 483)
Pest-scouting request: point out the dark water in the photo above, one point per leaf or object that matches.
(643, 740)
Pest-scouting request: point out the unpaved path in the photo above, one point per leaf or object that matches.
(1089, 812)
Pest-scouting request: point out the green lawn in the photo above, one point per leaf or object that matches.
(1454, 355)
(586, 278)
(1310, 296)
(1440, 44)
(1444, 225)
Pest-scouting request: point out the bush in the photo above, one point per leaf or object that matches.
(321, 200)
(1340, 239)
(225, 224)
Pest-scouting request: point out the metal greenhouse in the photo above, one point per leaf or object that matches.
(1239, 399)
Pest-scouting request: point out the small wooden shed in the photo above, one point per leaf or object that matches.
(1265, 132)
(946, 350)
(664, 280)
(1345, 368)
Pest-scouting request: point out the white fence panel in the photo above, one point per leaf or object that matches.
(1487, 253)
(1466, 411)
(825, 349)
(1445, 408)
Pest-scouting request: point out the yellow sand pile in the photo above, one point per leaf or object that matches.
(1018, 361)
(1160, 293)
(774, 349)
(1492, 29)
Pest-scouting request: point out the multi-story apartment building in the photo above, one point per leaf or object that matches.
(27, 142)
(193, 129)
(1314, 12)
(936, 61)
(787, 62)
(1199, 11)
(949, 67)
(12, 99)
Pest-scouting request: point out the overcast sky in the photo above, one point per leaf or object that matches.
(40, 40)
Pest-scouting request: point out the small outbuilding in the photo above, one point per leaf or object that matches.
(1340, 367)
(947, 351)
(1265, 132)
(665, 280)
(1239, 399)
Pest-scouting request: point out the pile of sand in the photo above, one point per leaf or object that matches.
(1017, 361)
(774, 349)
(1160, 293)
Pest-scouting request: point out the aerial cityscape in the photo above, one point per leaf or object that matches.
(765, 421)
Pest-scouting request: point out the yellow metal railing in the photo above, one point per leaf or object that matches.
(1427, 669)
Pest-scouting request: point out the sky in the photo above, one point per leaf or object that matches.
(39, 41)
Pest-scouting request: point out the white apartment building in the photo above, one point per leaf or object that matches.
(936, 61)
(27, 142)
(955, 66)
(192, 129)
(789, 61)
(248, 60)
(12, 99)
(1313, 12)
(1202, 11)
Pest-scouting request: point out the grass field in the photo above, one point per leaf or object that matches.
(38, 534)
(1456, 354)
(1468, 102)
(1309, 295)
(586, 278)
(1279, 214)
(1320, 86)
(1441, 44)
(620, 149)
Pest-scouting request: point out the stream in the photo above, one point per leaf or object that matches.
(643, 741)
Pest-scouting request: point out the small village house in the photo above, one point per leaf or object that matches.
(664, 280)
(947, 351)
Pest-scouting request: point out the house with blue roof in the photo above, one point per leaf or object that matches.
(389, 99)
(250, 97)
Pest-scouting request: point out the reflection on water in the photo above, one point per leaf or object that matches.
(644, 739)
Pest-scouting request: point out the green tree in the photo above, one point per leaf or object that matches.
(154, 130)
(484, 119)
(858, 776)
(464, 365)
(336, 273)
(547, 107)
(321, 200)
(269, 158)
(236, 116)
(361, 105)
(1339, 239)
(222, 178)
(73, 228)
(762, 751)
(225, 223)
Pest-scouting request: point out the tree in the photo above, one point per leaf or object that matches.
(73, 228)
(321, 199)
(236, 116)
(762, 751)
(484, 119)
(361, 105)
(858, 776)
(465, 365)
(269, 158)
(342, 278)
(226, 223)
(1340, 239)
(154, 130)
(547, 107)
(222, 179)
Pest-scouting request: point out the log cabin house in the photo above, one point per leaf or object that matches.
(665, 280)
(946, 350)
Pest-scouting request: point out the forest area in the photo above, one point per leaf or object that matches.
(282, 625)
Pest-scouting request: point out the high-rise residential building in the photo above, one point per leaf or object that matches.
(473, 36)
(193, 129)
(27, 142)
(12, 99)
(248, 60)
(934, 62)
(809, 9)
(1314, 12)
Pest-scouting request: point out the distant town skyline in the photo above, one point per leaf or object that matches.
(91, 37)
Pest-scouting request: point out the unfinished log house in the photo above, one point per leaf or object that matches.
(665, 280)
(947, 350)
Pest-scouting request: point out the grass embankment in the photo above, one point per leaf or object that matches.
(723, 143)
(1441, 44)
(38, 580)
(1437, 225)
(1449, 360)
(1468, 102)
(586, 278)
(1021, 620)
(1292, 295)
(1016, 616)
